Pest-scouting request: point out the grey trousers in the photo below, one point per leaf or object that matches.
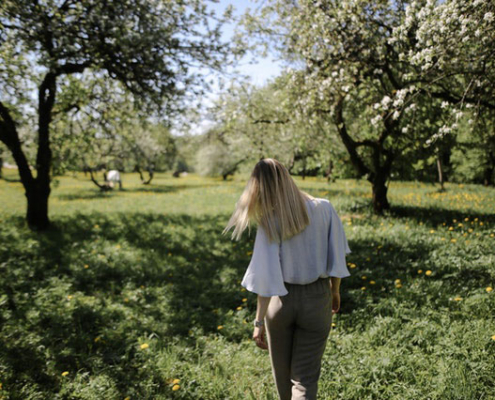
(297, 328)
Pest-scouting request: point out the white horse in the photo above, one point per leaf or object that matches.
(112, 177)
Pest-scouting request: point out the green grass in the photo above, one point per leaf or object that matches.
(127, 291)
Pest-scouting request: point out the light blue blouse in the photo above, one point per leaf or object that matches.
(318, 251)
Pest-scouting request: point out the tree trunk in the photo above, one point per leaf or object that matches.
(329, 170)
(440, 173)
(488, 176)
(37, 207)
(380, 201)
(489, 169)
(1, 166)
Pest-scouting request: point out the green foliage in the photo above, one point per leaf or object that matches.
(130, 299)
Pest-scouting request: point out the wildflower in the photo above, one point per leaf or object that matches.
(144, 346)
(420, 271)
(243, 289)
(453, 240)
(244, 300)
(175, 387)
(249, 253)
(86, 266)
(96, 226)
(451, 228)
(432, 231)
(489, 289)
(372, 282)
(97, 339)
(176, 381)
(363, 277)
(69, 297)
(398, 286)
(65, 373)
(220, 327)
(239, 308)
(428, 273)
(333, 324)
(397, 281)
(493, 337)
(458, 299)
(363, 288)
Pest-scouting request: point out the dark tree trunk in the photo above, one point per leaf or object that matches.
(1, 166)
(329, 171)
(382, 159)
(440, 173)
(489, 170)
(379, 188)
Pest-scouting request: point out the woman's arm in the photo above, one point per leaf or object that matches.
(262, 307)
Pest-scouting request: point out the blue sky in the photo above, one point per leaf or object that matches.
(264, 68)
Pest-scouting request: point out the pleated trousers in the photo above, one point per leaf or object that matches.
(297, 329)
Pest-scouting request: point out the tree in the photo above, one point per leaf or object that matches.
(150, 46)
(355, 64)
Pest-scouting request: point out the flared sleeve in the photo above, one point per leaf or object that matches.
(264, 273)
(337, 247)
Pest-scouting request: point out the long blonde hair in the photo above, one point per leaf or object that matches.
(272, 200)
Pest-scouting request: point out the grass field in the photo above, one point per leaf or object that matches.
(135, 294)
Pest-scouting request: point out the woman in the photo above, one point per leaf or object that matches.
(297, 263)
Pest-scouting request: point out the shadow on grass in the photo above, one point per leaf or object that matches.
(95, 193)
(93, 285)
(433, 216)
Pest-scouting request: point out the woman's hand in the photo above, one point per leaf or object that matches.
(259, 337)
(335, 302)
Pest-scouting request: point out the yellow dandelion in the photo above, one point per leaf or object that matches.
(454, 221)
(451, 228)
(481, 223)
(466, 219)
(489, 289)
(86, 266)
(220, 327)
(372, 282)
(493, 337)
(65, 373)
(492, 234)
(428, 273)
(243, 289)
(97, 339)
(126, 300)
(470, 230)
(397, 281)
(453, 240)
(176, 381)
(363, 277)
(144, 346)
(363, 288)
(458, 298)
(69, 297)
(476, 219)
(244, 300)
(127, 398)
(96, 226)
(353, 265)
(175, 387)
(432, 231)
(398, 286)
(239, 308)
(460, 224)
(249, 253)
(333, 324)
(420, 271)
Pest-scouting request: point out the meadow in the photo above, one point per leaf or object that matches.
(136, 294)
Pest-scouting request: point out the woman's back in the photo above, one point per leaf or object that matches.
(318, 251)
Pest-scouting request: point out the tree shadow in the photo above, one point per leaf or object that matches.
(433, 216)
(95, 193)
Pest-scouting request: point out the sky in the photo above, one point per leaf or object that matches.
(258, 72)
(264, 68)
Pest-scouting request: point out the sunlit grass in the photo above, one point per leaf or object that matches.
(135, 293)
